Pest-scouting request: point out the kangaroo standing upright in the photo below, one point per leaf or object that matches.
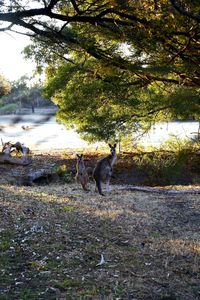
(103, 169)
(81, 172)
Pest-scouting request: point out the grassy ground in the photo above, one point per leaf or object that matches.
(52, 240)
(59, 242)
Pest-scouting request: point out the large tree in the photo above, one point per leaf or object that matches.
(114, 63)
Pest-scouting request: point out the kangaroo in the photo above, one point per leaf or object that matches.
(103, 169)
(81, 173)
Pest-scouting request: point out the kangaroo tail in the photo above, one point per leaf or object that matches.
(98, 184)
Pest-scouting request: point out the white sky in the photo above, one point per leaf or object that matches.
(12, 62)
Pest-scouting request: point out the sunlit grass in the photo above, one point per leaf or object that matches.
(59, 232)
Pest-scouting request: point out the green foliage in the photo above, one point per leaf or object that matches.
(24, 95)
(5, 239)
(172, 165)
(61, 171)
(8, 108)
(4, 86)
(68, 283)
(68, 208)
(105, 92)
(166, 169)
(185, 104)
(179, 145)
(119, 63)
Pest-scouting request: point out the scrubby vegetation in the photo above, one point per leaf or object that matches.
(8, 108)
(175, 163)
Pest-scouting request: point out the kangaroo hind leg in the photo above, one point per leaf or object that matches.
(108, 190)
(98, 187)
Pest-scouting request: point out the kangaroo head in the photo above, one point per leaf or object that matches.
(79, 157)
(112, 149)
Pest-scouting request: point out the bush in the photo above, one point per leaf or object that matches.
(173, 164)
(8, 108)
(61, 171)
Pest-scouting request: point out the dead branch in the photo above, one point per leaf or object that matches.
(8, 148)
(6, 158)
(148, 189)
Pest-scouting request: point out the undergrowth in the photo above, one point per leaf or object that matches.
(176, 162)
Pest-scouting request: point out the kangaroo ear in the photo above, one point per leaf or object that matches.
(78, 155)
(115, 145)
(110, 145)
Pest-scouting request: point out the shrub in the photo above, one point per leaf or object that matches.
(8, 108)
(61, 171)
(173, 164)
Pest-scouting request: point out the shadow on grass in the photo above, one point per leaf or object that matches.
(54, 237)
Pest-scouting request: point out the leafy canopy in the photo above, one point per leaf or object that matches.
(112, 64)
(4, 86)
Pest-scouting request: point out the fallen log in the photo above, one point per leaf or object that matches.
(8, 148)
(43, 176)
(23, 161)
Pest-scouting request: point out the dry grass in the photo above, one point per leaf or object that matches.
(53, 237)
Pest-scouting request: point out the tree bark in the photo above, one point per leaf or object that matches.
(23, 161)
(6, 157)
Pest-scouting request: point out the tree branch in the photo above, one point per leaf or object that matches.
(75, 6)
(152, 112)
(184, 12)
(52, 4)
(15, 17)
(121, 14)
(6, 28)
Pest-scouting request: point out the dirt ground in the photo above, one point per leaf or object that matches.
(59, 242)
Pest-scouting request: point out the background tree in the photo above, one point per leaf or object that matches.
(24, 95)
(4, 86)
(97, 85)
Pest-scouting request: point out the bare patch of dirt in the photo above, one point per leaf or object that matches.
(59, 242)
